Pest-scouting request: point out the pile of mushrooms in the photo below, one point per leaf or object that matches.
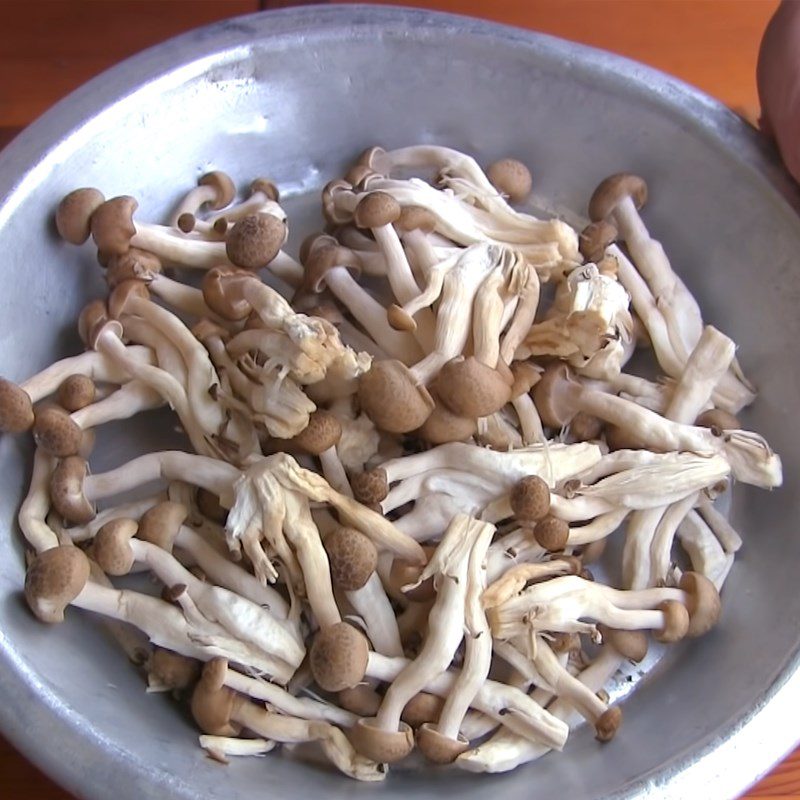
(405, 448)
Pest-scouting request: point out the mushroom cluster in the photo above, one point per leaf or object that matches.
(404, 450)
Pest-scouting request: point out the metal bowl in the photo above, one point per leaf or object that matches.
(294, 95)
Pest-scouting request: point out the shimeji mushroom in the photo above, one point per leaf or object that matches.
(704, 550)
(59, 577)
(116, 550)
(620, 196)
(263, 197)
(559, 396)
(353, 561)
(319, 438)
(219, 710)
(32, 517)
(214, 189)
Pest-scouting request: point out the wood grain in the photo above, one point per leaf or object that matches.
(52, 46)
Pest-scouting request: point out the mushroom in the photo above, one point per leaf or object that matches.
(215, 190)
(510, 177)
(74, 214)
(319, 438)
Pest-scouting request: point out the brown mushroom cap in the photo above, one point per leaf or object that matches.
(385, 747)
(556, 395)
(325, 253)
(415, 218)
(352, 557)
(610, 191)
(391, 399)
(111, 548)
(631, 644)
(160, 524)
(676, 622)
(530, 499)
(370, 486)
(444, 426)
(362, 700)
(404, 574)
(74, 214)
(223, 187)
(703, 603)
(171, 670)
(585, 428)
(422, 708)
(66, 490)
(399, 319)
(551, 532)
(265, 187)
(119, 301)
(212, 707)
(135, 264)
(376, 210)
(618, 438)
(359, 173)
(76, 392)
(219, 298)
(92, 315)
(209, 506)
(470, 388)
(338, 657)
(112, 224)
(255, 240)
(437, 748)
(608, 723)
(595, 238)
(511, 177)
(54, 579)
(56, 432)
(322, 432)
(16, 408)
(719, 419)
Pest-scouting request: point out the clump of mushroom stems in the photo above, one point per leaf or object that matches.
(404, 451)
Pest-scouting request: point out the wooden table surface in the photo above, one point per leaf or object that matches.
(52, 46)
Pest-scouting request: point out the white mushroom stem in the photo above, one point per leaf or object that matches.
(220, 747)
(430, 516)
(639, 537)
(524, 314)
(505, 750)
(529, 421)
(371, 315)
(286, 703)
(449, 566)
(131, 510)
(334, 472)
(487, 318)
(706, 365)
(727, 535)
(240, 617)
(599, 528)
(703, 548)
(503, 703)
(470, 491)
(91, 364)
(478, 638)
(513, 580)
(36, 505)
(517, 547)
(183, 297)
(433, 286)
(661, 543)
(171, 465)
(127, 401)
(168, 357)
(257, 203)
(175, 248)
(372, 605)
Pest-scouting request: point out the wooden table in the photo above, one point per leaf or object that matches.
(52, 46)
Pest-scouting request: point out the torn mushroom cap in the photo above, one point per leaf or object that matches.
(718, 419)
(74, 214)
(324, 253)
(16, 409)
(391, 399)
(385, 747)
(54, 579)
(551, 532)
(213, 703)
(112, 224)
(370, 486)
(122, 294)
(530, 499)
(376, 210)
(444, 426)
(630, 644)
(136, 263)
(511, 177)
(703, 603)
(169, 670)
(676, 621)
(338, 657)
(76, 392)
(352, 557)
(161, 524)
(66, 490)
(608, 194)
(556, 395)
(322, 432)
(525, 376)
(111, 546)
(220, 301)
(255, 240)
(595, 238)
(470, 388)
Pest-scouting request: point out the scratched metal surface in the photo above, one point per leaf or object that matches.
(294, 95)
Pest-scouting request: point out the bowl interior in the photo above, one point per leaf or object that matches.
(294, 97)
